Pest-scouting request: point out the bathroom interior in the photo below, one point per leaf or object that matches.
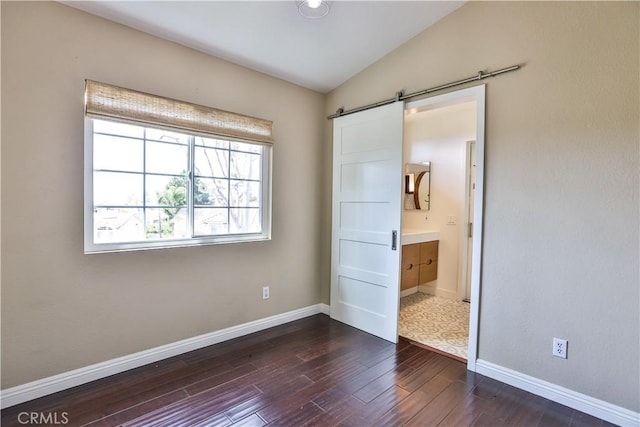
(439, 162)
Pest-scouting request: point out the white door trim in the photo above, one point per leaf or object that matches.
(476, 93)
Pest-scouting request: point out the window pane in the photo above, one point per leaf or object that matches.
(170, 223)
(244, 220)
(211, 192)
(119, 189)
(117, 225)
(166, 190)
(210, 142)
(251, 148)
(245, 193)
(211, 162)
(166, 136)
(115, 128)
(141, 188)
(210, 221)
(166, 158)
(122, 154)
(245, 166)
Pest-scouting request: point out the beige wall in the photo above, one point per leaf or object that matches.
(561, 232)
(63, 310)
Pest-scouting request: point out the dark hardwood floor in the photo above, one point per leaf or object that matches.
(314, 372)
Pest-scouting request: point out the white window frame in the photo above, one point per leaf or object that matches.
(91, 247)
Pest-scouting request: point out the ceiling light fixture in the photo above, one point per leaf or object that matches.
(313, 9)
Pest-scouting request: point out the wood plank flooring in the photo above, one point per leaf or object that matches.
(311, 372)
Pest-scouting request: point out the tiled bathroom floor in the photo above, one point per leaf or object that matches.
(435, 322)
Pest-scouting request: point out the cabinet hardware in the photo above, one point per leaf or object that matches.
(394, 240)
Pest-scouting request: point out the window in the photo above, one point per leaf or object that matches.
(148, 186)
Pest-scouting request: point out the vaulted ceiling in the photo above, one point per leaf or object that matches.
(274, 38)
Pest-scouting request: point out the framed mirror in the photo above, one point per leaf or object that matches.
(417, 186)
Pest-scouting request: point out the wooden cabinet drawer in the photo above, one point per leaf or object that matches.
(410, 255)
(429, 251)
(428, 272)
(410, 268)
(410, 277)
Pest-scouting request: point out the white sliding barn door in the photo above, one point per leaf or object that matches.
(367, 213)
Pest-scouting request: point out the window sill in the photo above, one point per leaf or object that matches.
(91, 248)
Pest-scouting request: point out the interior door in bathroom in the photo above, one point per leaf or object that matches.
(471, 187)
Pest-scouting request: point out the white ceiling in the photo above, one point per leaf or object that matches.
(273, 38)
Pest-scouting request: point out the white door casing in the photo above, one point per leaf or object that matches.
(477, 94)
(367, 209)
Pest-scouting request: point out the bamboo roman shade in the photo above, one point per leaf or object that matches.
(105, 101)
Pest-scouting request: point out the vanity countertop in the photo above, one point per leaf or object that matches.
(410, 236)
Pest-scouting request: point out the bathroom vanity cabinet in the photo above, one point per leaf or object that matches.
(419, 264)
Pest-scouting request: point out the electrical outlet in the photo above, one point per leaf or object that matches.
(265, 292)
(560, 348)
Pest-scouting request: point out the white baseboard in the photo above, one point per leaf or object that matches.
(325, 309)
(33, 390)
(573, 399)
(408, 292)
(439, 292)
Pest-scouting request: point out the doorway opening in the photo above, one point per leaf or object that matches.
(441, 313)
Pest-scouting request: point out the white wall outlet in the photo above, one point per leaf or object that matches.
(265, 292)
(560, 348)
(451, 220)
